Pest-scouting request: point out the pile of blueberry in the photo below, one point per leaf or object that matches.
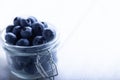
(26, 64)
(28, 32)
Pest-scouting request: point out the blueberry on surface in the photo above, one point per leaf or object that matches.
(25, 22)
(9, 28)
(16, 30)
(37, 28)
(16, 21)
(48, 34)
(30, 68)
(10, 38)
(23, 42)
(32, 19)
(26, 32)
(38, 40)
(45, 24)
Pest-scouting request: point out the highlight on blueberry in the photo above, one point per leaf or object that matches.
(9, 28)
(38, 40)
(32, 19)
(37, 28)
(22, 42)
(26, 32)
(10, 38)
(16, 30)
(16, 21)
(45, 24)
(30, 68)
(48, 34)
(25, 22)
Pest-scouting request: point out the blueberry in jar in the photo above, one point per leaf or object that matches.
(38, 40)
(16, 21)
(16, 30)
(9, 28)
(45, 24)
(37, 28)
(23, 42)
(24, 22)
(10, 38)
(30, 68)
(16, 63)
(32, 19)
(48, 34)
(26, 32)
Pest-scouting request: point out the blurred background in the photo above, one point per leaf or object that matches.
(89, 35)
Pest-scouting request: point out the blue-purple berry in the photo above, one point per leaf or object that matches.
(16, 30)
(23, 42)
(25, 22)
(30, 68)
(9, 28)
(38, 40)
(32, 19)
(45, 24)
(26, 32)
(37, 28)
(10, 38)
(16, 21)
(48, 34)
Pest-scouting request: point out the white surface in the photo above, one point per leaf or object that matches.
(90, 34)
(93, 50)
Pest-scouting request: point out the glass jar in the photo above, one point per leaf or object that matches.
(32, 62)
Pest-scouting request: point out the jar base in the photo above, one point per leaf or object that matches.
(25, 76)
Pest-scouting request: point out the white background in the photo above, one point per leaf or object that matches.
(90, 34)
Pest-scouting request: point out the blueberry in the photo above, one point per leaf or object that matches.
(26, 32)
(32, 19)
(38, 40)
(10, 38)
(48, 34)
(37, 28)
(25, 22)
(17, 21)
(25, 60)
(30, 68)
(9, 28)
(20, 62)
(16, 30)
(45, 24)
(22, 42)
